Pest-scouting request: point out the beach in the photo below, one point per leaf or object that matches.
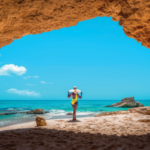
(115, 132)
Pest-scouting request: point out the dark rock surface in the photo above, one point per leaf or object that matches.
(11, 113)
(35, 111)
(69, 114)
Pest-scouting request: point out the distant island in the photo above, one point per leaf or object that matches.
(127, 102)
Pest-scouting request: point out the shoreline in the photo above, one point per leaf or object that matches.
(54, 118)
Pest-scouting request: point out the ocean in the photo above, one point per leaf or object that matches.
(57, 109)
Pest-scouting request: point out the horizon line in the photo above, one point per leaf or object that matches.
(70, 100)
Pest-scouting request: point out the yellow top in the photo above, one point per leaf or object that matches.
(74, 100)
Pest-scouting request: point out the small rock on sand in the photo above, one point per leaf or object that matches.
(40, 121)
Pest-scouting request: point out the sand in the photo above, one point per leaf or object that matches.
(118, 132)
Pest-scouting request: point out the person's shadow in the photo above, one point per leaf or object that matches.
(74, 121)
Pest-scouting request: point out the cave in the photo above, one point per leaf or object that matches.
(22, 17)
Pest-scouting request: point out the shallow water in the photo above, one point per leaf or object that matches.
(57, 109)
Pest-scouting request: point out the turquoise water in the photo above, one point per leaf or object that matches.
(57, 109)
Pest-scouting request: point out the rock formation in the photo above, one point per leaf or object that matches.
(36, 111)
(22, 17)
(40, 121)
(141, 110)
(127, 102)
(112, 113)
(69, 114)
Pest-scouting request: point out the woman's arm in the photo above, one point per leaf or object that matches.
(79, 95)
(69, 94)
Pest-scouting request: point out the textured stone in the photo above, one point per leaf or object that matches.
(36, 111)
(22, 17)
(69, 114)
(141, 110)
(40, 121)
(11, 113)
(112, 113)
(127, 102)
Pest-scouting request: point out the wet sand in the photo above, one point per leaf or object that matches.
(118, 132)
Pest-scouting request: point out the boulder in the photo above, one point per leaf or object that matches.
(36, 111)
(141, 110)
(112, 113)
(127, 102)
(69, 114)
(40, 121)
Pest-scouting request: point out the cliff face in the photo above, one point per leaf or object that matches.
(23, 17)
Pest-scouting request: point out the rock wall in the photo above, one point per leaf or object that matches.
(23, 17)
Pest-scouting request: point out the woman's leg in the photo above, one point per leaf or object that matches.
(73, 106)
(75, 111)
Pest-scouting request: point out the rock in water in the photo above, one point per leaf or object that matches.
(127, 102)
(36, 111)
(40, 121)
(69, 114)
(8, 113)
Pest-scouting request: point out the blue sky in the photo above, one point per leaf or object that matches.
(95, 55)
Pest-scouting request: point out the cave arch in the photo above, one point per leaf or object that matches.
(23, 17)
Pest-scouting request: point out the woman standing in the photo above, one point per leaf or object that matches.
(74, 101)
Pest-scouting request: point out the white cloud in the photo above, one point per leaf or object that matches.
(7, 70)
(31, 77)
(43, 82)
(23, 92)
(31, 84)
